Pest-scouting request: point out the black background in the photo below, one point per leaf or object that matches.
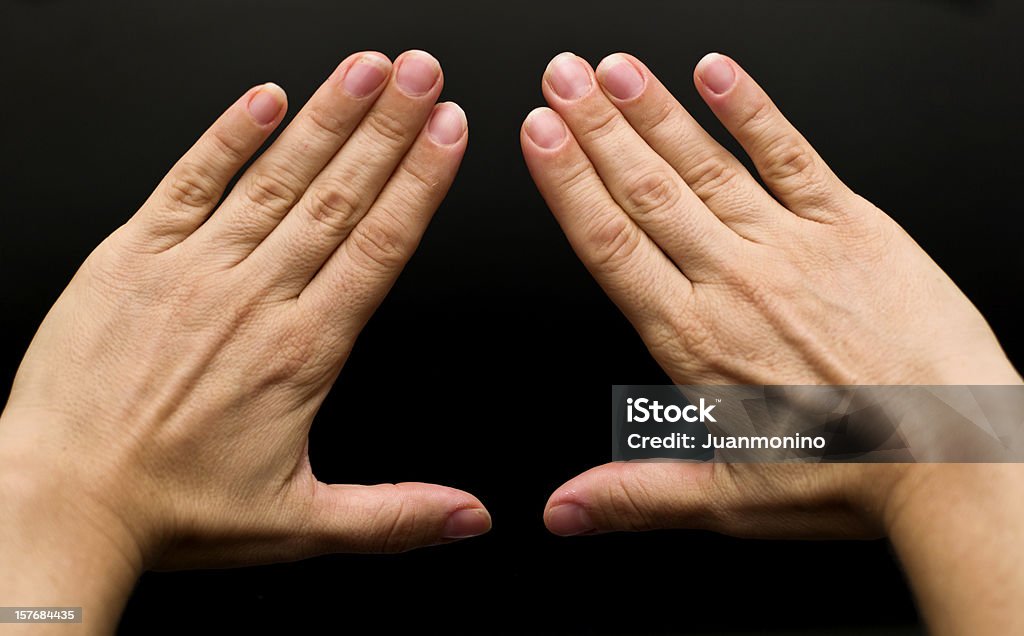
(495, 353)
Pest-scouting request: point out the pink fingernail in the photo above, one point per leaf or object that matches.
(716, 73)
(447, 124)
(545, 128)
(568, 520)
(364, 76)
(417, 73)
(265, 105)
(568, 77)
(470, 522)
(620, 77)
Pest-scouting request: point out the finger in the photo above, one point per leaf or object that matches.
(273, 184)
(393, 517)
(342, 193)
(712, 172)
(189, 192)
(354, 281)
(762, 500)
(635, 274)
(789, 166)
(640, 181)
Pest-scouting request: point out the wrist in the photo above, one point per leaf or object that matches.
(58, 550)
(50, 472)
(956, 530)
(61, 544)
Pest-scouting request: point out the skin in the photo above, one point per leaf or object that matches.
(798, 281)
(160, 417)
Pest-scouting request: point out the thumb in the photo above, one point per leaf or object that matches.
(394, 517)
(746, 500)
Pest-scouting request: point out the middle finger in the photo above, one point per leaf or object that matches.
(639, 179)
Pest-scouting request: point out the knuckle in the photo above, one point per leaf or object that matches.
(613, 241)
(388, 130)
(575, 177)
(229, 147)
(191, 187)
(601, 125)
(788, 159)
(766, 296)
(679, 342)
(380, 242)
(696, 339)
(270, 191)
(711, 175)
(722, 500)
(334, 207)
(687, 338)
(630, 500)
(420, 176)
(790, 165)
(814, 194)
(400, 532)
(324, 125)
(755, 119)
(794, 169)
(651, 192)
(293, 353)
(663, 115)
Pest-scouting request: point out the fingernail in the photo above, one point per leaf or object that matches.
(447, 124)
(717, 73)
(545, 128)
(568, 76)
(619, 77)
(417, 73)
(364, 76)
(266, 104)
(569, 520)
(469, 522)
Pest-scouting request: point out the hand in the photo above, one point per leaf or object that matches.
(802, 283)
(165, 402)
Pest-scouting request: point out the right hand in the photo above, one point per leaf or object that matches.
(165, 403)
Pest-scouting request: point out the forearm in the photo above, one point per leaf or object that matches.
(958, 531)
(58, 552)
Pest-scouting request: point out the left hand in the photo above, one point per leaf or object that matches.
(801, 281)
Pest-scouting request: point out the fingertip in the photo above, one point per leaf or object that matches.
(622, 76)
(363, 73)
(569, 520)
(417, 72)
(448, 124)
(466, 517)
(465, 523)
(419, 53)
(716, 74)
(267, 104)
(565, 513)
(545, 129)
(564, 55)
(445, 497)
(368, 56)
(567, 77)
(624, 495)
(372, 56)
(612, 59)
